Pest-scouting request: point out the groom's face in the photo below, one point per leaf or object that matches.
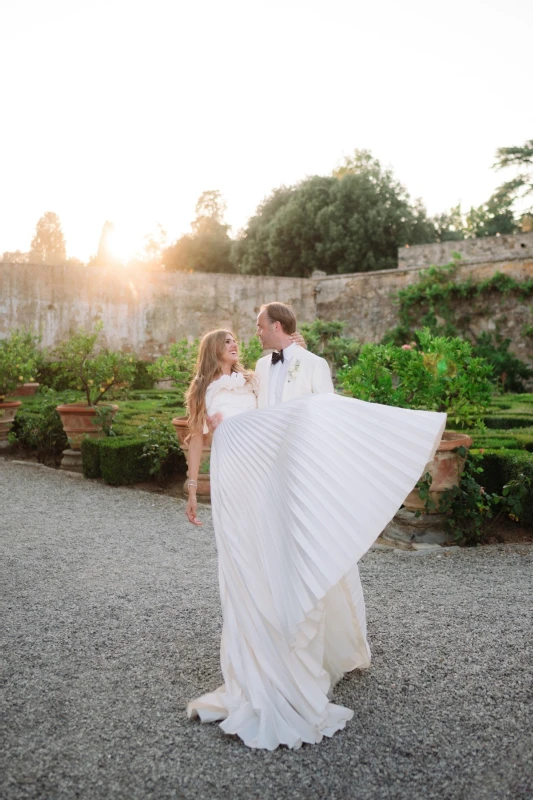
(267, 332)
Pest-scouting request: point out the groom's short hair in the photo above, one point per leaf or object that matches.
(282, 313)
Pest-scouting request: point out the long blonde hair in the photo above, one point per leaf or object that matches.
(207, 370)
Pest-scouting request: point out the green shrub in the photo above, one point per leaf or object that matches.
(502, 466)
(142, 379)
(121, 463)
(178, 365)
(161, 450)
(39, 426)
(508, 421)
(505, 439)
(18, 361)
(90, 455)
(326, 339)
(250, 352)
(510, 372)
(49, 374)
(496, 443)
(442, 375)
(472, 511)
(96, 373)
(117, 460)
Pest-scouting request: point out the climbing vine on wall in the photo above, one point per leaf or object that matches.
(431, 302)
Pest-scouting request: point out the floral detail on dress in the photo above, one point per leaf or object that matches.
(235, 380)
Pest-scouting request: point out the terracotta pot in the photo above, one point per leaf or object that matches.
(26, 390)
(81, 421)
(181, 425)
(445, 469)
(8, 409)
(166, 384)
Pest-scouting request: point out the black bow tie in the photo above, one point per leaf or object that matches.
(278, 357)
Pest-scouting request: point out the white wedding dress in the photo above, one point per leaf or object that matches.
(299, 493)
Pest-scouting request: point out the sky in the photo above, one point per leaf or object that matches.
(126, 110)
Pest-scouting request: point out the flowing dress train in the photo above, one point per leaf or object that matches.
(299, 492)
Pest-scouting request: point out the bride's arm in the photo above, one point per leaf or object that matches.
(195, 456)
(297, 338)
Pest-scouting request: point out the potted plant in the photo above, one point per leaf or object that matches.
(176, 369)
(96, 374)
(438, 373)
(17, 365)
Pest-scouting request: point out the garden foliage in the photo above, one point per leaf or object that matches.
(118, 461)
(161, 449)
(326, 339)
(95, 373)
(18, 361)
(440, 375)
(432, 302)
(39, 427)
(472, 511)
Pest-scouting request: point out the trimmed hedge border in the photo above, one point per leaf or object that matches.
(116, 460)
(505, 422)
(521, 439)
(502, 466)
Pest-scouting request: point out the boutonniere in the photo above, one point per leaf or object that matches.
(293, 371)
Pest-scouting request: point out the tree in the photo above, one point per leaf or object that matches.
(208, 247)
(105, 255)
(519, 188)
(15, 257)
(154, 246)
(450, 225)
(48, 245)
(210, 206)
(351, 221)
(494, 217)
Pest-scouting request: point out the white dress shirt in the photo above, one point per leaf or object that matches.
(278, 374)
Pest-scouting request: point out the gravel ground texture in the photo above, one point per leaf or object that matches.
(112, 623)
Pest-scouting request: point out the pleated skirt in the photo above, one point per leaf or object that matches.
(299, 492)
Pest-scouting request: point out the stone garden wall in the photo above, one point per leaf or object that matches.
(142, 311)
(488, 248)
(366, 302)
(145, 311)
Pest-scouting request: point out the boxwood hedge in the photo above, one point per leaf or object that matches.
(502, 466)
(116, 460)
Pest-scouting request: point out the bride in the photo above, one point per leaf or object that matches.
(299, 493)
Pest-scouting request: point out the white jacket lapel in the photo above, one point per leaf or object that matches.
(295, 378)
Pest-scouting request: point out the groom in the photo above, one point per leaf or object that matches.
(291, 371)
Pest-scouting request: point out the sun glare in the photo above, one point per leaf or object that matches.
(122, 245)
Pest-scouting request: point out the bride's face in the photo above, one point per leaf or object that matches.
(230, 354)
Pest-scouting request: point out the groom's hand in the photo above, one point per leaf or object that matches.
(297, 338)
(214, 421)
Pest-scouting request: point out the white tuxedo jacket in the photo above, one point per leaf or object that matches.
(307, 374)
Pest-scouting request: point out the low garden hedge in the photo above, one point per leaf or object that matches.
(502, 466)
(116, 460)
(507, 421)
(511, 439)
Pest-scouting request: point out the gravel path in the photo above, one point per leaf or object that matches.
(113, 624)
